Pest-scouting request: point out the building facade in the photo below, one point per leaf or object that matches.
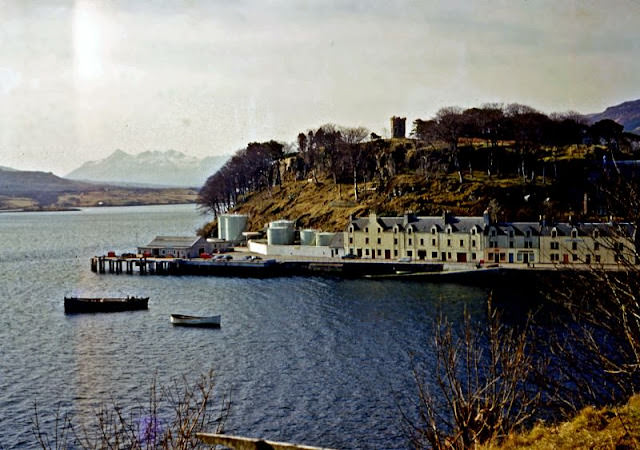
(436, 239)
(449, 239)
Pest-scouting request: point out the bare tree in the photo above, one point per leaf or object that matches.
(480, 392)
(169, 421)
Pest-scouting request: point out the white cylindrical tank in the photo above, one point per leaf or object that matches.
(235, 225)
(279, 235)
(283, 223)
(222, 226)
(307, 237)
(324, 239)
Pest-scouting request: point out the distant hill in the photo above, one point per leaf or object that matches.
(41, 190)
(169, 168)
(627, 114)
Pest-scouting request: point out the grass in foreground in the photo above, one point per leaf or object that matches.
(606, 428)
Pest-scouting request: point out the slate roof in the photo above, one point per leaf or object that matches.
(337, 241)
(422, 224)
(173, 242)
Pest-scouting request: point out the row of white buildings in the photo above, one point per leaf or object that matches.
(476, 239)
(432, 239)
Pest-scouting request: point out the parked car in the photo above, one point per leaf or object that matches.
(349, 256)
(404, 259)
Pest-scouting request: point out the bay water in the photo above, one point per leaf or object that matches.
(316, 361)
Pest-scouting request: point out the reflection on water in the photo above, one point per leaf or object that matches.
(309, 360)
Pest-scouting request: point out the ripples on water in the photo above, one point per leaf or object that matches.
(309, 360)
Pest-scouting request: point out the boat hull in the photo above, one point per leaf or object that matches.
(195, 321)
(74, 305)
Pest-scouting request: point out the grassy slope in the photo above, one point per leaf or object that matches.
(606, 428)
(327, 206)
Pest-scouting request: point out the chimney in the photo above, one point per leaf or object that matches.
(486, 218)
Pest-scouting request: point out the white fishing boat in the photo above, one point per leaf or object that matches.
(195, 321)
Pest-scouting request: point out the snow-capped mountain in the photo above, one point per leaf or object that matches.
(169, 168)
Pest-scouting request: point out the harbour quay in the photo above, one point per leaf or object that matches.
(241, 265)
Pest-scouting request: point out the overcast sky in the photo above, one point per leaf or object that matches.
(79, 79)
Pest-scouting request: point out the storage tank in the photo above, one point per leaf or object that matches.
(324, 239)
(307, 237)
(279, 235)
(235, 224)
(283, 223)
(222, 226)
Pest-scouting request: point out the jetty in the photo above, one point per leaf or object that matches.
(243, 265)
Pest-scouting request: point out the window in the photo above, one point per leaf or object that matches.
(473, 243)
(366, 230)
(433, 242)
(510, 233)
(554, 245)
(554, 233)
(409, 230)
(448, 230)
(574, 257)
(350, 240)
(473, 232)
(473, 256)
(448, 242)
(421, 242)
(366, 251)
(395, 231)
(449, 255)
(434, 255)
(574, 246)
(379, 229)
(379, 252)
(503, 256)
(528, 233)
(528, 244)
(596, 246)
(409, 253)
(395, 241)
(461, 243)
(395, 253)
(510, 244)
(379, 241)
(433, 231)
(366, 240)
(574, 233)
(410, 241)
(597, 258)
(493, 232)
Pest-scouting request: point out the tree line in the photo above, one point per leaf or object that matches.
(501, 140)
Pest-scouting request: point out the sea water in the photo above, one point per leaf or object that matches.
(316, 361)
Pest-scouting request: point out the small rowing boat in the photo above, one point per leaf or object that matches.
(195, 321)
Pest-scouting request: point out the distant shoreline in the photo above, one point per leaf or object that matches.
(80, 208)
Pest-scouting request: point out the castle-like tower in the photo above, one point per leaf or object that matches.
(398, 127)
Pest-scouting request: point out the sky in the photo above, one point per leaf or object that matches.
(80, 79)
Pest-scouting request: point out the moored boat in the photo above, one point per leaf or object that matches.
(104, 304)
(195, 321)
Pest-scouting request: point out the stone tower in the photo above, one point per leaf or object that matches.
(398, 129)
